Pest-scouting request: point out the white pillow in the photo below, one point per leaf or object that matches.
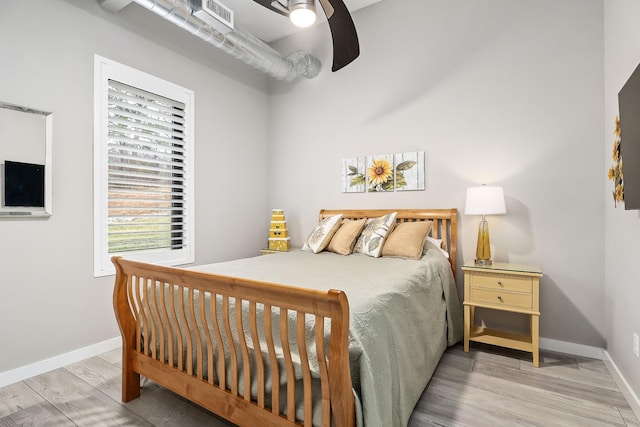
(322, 234)
(437, 243)
(372, 238)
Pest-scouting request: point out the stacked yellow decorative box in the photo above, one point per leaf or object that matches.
(278, 235)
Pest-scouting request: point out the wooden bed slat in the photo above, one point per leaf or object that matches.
(194, 330)
(246, 365)
(149, 300)
(306, 372)
(179, 344)
(222, 367)
(156, 324)
(257, 352)
(324, 375)
(288, 363)
(134, 291)
(322, 367)
(275, 370)
(170, 322)
(187, 364)
(233, 362)
(204, 321)
(145, 326)
(164, 322)
(211, 358)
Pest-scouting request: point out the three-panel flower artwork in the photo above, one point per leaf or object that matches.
(384, 173)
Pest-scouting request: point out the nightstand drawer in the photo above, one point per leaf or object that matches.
(500, 299)
(509, 283)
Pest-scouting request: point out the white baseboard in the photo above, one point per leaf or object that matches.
(571, 348)
(28, 371)
(626, 389)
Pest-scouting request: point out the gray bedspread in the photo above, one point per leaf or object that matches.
(403, 315)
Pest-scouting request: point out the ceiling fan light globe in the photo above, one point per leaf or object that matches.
(303, 15)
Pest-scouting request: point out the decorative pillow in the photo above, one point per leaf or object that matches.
(345, 238)
(322, 234)
(433, 241)
(407, 240)
(372, 238)
(437, 243)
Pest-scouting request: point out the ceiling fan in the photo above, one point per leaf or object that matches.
(346, 47)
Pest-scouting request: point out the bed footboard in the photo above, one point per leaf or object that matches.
(252, 352)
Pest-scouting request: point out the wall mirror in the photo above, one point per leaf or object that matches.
(25, 162)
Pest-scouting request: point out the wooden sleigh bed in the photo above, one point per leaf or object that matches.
(220, 339)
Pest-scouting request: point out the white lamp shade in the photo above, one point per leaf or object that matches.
(485, 200)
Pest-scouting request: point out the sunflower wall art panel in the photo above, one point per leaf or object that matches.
(409, 171)
(353, 175)
(615, 172)
(384, 173)
(380, 176)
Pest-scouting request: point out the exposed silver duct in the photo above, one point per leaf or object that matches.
(239, 43)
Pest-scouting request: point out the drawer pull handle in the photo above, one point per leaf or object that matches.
(500, 283)
(500, 298)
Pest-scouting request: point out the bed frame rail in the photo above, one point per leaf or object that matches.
(177, 324)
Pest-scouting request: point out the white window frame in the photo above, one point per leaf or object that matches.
(105, 70)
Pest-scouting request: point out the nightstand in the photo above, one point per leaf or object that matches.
(506, 287)
(269, 251)
(273, 251)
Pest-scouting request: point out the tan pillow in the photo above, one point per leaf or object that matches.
(345, 238)
(407, 240)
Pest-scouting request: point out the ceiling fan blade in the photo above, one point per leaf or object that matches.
(269, 5)
(328, 9)
(346, 47)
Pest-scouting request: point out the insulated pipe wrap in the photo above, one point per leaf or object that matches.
(238, 43)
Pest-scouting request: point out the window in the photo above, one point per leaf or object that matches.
(143, 168)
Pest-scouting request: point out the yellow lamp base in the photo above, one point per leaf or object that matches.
(483, 249)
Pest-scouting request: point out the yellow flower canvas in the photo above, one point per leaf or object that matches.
(615, 172)
(409, 171)
(380, 173)
(353, 175)
(384, 173)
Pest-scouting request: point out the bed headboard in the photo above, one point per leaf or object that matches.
(445, 223)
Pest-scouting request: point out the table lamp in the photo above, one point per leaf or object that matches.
(484, 200)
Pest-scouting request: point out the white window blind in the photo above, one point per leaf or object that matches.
(145, 176)
(146, 171)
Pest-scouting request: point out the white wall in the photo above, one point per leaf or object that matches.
(503, 92)
(622, 228)
(50, 302)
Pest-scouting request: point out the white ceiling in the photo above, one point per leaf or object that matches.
(270, 26)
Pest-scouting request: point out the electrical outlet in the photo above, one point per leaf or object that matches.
(636, 345)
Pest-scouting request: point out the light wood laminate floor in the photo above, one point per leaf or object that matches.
(488, 386)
